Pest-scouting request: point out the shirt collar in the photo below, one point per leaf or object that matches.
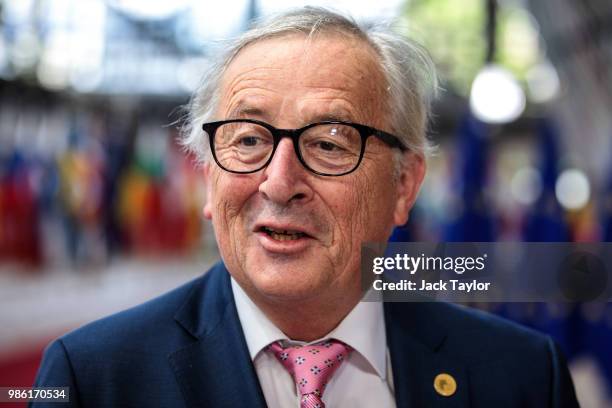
(363, 329)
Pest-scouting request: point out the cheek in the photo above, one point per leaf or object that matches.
(230, 196)
(375, 204)
(362, 209)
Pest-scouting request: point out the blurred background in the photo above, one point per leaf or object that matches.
(100, 210)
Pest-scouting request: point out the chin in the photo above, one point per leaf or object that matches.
(288, 280)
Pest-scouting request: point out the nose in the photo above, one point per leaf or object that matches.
(285, 177)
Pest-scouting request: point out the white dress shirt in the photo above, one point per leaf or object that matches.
(363, 380)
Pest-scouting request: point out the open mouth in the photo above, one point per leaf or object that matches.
(282, 235)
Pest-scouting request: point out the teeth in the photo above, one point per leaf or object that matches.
(283, 235)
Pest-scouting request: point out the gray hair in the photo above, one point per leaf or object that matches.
(409, 71)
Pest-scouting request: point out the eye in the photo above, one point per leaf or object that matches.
(328, 146)
(249, 141)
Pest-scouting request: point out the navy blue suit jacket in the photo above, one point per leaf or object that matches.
(186, 349)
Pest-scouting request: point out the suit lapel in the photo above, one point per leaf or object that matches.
(416, 340)
(216, 369)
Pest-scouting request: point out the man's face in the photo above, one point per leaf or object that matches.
(290, 82)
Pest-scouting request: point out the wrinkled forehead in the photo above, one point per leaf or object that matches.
(336, 63)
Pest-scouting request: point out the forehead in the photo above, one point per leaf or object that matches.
(332, 72)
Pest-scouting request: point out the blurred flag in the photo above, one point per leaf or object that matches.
(544, 222)
(474, 221)
(596, 337)
(607, 208)
(81, 170)
(597, 318)
(19, 238)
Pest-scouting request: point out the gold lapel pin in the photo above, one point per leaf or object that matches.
(445, 384)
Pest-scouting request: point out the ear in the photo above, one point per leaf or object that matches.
(206, 171)
(408, 185)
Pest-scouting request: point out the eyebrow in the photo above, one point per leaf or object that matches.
(246, 111)
(336, 113)
(332, 116)
(242, 110)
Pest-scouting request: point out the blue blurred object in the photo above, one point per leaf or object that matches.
(607, 208)
(402, 234)
(597, 334)
(544, 222)
(597, 339)
(577, 333)
(474, 221)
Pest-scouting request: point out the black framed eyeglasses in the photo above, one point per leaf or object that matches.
(330, 148)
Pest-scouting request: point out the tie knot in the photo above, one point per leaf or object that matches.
(311, 367)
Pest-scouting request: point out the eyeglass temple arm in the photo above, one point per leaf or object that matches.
(389, 139)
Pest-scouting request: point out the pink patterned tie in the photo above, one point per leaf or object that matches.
(311, 367)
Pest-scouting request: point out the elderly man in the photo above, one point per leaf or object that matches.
(311, 132)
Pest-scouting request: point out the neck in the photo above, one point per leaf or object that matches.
(308, 320)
